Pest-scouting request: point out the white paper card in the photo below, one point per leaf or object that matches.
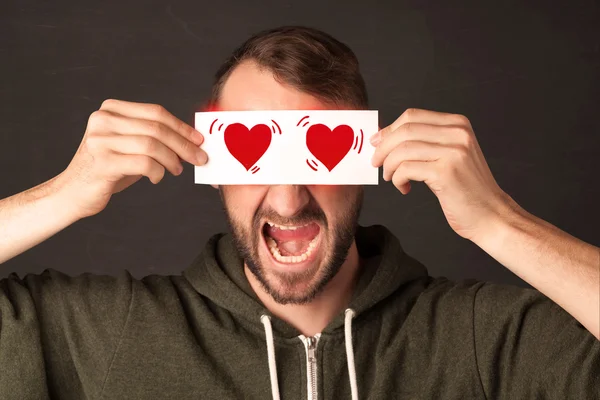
(287, 147)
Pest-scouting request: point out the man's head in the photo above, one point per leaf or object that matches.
(294, 238)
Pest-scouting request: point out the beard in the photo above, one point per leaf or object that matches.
(282, 286)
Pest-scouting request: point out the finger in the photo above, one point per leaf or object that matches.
(185, 149)
(122, 165)
(429, 117)
(444, 135)
(153, 112)
(417, 115)
(404, 189)
(411, 151)
(421, 171)
(141, 145)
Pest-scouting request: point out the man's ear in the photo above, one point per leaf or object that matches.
(215, 186)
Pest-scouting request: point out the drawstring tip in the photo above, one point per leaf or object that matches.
(349, 313)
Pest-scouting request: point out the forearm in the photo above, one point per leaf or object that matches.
(30, 217)
(564, 268)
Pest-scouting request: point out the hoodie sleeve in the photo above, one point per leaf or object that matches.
(58, 334)
(528, 347)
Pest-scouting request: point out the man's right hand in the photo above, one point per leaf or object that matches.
(123, 142)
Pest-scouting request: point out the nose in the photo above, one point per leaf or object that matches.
(287, 200)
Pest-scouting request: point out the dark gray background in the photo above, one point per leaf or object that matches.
(526, 74)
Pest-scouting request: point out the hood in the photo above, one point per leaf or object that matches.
(217, 273)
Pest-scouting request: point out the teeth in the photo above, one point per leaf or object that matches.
(286, 227)
(290, 259)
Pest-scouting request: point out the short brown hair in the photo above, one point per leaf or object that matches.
(308, 59)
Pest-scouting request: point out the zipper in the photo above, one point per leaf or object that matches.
(310, 344)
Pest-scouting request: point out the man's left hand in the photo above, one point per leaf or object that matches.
(441, 150)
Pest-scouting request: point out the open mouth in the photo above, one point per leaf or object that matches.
(291, 244)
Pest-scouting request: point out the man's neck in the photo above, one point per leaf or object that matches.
(313, 317)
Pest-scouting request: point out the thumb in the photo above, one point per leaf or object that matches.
(378, 137)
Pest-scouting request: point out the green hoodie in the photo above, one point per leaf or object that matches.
(200, 335)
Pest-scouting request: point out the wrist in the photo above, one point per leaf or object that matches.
(63, 200)
(508, 217)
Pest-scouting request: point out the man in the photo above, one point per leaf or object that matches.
(297, 302)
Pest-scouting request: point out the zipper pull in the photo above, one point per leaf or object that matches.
(311, 344)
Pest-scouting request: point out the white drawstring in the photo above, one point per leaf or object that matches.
(271, 355)
(350, 352)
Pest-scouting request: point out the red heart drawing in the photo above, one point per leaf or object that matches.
(328, 146)
(247, 146)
